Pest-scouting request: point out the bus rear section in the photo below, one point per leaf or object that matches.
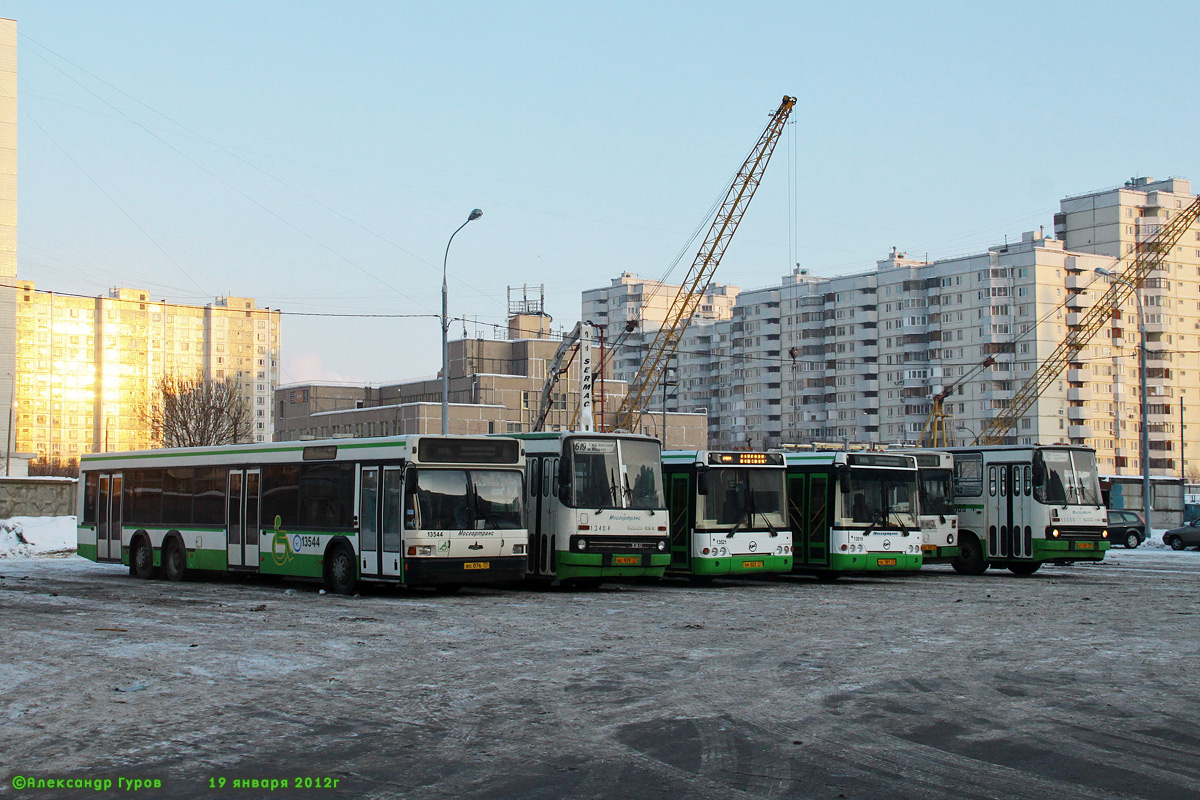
(939, 519)
(594, 507)
(1021, 506)
(853, 513)
(728, 513)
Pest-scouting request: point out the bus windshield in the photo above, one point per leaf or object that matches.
(613, 473)
(1066, 478)
(882, 497)
(457, 499)
(937, 493)
(742, 497)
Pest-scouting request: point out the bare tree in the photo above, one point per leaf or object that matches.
(55, 466)
(1193, 472)
(198, 412)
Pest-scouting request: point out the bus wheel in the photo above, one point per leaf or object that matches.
(341, 570)
(970, 557)
(1025, 567)
(141, 562)
(447, 588)
(174, 560)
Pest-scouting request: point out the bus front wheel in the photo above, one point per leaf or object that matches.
(341, 570)
(970, 557)
(141, 562)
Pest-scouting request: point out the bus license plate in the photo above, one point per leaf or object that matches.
(887, 562)
(627, 559)
(477, 565)
(1085, 546)
(752, 564)
(929, 548)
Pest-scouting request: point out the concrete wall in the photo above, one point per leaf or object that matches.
(37, 497)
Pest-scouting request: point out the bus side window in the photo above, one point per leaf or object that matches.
(546, 478)
(1028, 481)
(991, 481)
(968, 474)
(554, 476)
(1003, 481)
(535, 479)
(90, 485)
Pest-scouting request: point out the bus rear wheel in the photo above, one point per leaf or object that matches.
(141, 561)
(1025, 567)
(174, 560)
(970, 557)
(341, 571)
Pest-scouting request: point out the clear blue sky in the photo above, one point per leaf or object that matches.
(317, 156)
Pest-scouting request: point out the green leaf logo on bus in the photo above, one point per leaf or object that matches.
(281, 548)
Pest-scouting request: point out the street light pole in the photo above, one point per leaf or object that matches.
(962, 427)
(12, 401)
(1137, 296)
(475, 214)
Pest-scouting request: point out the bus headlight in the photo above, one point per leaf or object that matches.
(1054, 533)
(949, 538)
(581, 544)
(1105, 534)
(421, 550)
(662, 545)
(518, 549)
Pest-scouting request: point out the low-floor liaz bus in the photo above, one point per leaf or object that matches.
(438, 511)
(728, 514)
(939, 520)
(594, 507)
(853, 512)
(1021, 506)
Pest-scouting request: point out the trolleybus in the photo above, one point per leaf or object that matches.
(594, 507)
(419, 510)
(853, 512)
(939, 521)
(1023, 506)
(728, 513)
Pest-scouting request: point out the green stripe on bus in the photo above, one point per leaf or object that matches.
(248, 450)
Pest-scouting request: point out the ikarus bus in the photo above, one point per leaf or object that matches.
(853, 512)
(1023, 506)
(939, 521)
(728, 513)
(438, 511)
(594, 507)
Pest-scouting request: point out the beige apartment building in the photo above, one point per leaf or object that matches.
(857, 358)
(496, 386)
(87, 367)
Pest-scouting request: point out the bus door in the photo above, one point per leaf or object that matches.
(242, 524)
(681, 533)
(368, 521)
(390, 538)
(1021, 498)
(1006, 515)
(108, 517)
(808, 513)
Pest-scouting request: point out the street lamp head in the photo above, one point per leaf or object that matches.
(476, 213)
(1102, 271)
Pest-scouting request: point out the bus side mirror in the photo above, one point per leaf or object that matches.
(843, 476)
(702, 480)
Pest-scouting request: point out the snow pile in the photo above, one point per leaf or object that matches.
(23, 537)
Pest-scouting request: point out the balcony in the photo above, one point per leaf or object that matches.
(1079, 431)
(1079, 376)
(1083, 393)
(1076, 413)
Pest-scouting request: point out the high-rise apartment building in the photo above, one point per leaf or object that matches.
(857, 358)
(87, 367)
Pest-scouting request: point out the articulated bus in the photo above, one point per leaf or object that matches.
(728, 513)
(939, 520)
(853, 512)
(1023, 506)
(594, 507)
(438, 511)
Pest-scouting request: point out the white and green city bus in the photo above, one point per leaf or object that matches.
(939, 520)
(853, 512)
(594, 507)
(728, 513)
(437, 511)
(1021, 506)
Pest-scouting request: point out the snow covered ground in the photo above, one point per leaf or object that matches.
(31, 536)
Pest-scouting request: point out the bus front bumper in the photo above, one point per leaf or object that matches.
(485, 569)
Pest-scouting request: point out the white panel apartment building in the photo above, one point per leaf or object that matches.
(857, 357)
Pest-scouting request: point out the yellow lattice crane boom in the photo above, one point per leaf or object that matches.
(679, 315)
(1149, 255)
(936, 426)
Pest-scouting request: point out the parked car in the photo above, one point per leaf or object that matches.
(1183, 536)
(1127, 528)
